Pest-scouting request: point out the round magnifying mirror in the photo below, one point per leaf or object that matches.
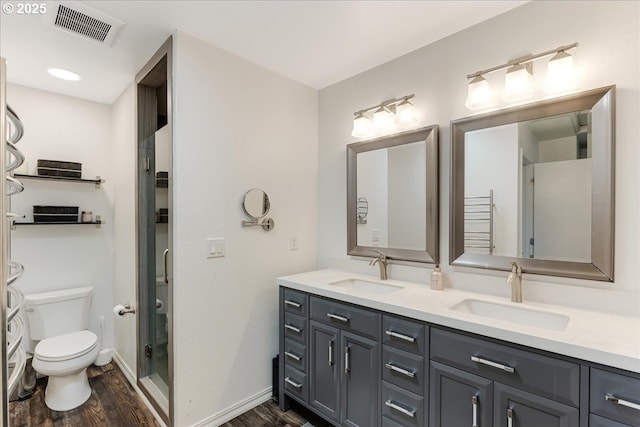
(256, 203)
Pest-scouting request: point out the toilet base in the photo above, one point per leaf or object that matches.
(67, 392)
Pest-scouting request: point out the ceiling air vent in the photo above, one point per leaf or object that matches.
(80, 20)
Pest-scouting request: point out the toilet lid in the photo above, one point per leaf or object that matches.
(65, 347)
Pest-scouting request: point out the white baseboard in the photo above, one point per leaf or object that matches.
(131, 377)
(236, 409)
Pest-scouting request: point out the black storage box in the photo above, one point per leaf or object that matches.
(55, 213)
(162, 215)
(59, 168)
(162, 179)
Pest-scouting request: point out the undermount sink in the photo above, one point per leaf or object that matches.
(366, 286)
(513, 313)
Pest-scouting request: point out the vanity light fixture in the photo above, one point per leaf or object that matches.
(560, 73)
(479, 95)
(387, 115)
(517, 85)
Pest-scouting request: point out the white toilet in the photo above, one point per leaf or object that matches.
(59, 320)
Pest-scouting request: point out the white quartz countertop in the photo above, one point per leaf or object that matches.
(603, 338)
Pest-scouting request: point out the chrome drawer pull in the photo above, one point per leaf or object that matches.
(347, 360)
(509, 417)
(293, 328)
(292, 303)
(293, 356)
(400, 336)
(292, 383)
(398, 369)
(611, 398)
(482, 361)
(409, 412)
(331, 353)
(474, 405)
(338, 317)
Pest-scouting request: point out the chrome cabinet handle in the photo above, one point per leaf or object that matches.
(486, 362)
(409, 412)
(293, 328)
(474, 405)
(509, 417)
(331, 353)
(292, 356)
(611, 398)
(292, 303)
(398, 369)
(338, 317)
(292, 383)
(164, 265)
(400, 336)
(347, 360)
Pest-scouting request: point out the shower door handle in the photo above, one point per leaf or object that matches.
(165, 276)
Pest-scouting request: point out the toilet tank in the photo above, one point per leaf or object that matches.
(58, 312)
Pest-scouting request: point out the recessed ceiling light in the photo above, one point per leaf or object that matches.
(64, 74)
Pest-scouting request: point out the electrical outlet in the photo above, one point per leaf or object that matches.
(293, 242)
(215, 247)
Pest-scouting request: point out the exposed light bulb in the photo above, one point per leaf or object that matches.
(64, 74)
(479, 94)
(361, 126)
(383, 119)
(406, 113)
(517, 84)
(560, 74)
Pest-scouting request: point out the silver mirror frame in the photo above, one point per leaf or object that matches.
(603, 190)
(430, 136)
(266, 204)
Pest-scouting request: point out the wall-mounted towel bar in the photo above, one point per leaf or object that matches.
(478, 218)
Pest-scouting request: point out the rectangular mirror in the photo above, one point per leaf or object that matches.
(534, 184)
(392, 196)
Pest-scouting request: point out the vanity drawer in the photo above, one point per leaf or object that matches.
(295, 383)
(386, 422)
(623, 404)
(295, 327)
(295, 354)
(596, 421)
(401, 406)
(404, 369)
(359, 320)
(296, 302)
(404, 334)
(539, 374)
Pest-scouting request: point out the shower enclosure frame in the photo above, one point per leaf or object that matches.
(146, 117)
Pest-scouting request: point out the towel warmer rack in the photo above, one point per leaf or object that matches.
(11, 298)
(478, 222)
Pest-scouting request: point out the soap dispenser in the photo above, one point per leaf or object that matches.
(437, 283)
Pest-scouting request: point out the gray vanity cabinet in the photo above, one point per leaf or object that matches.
(517, 408)
(614, 399)
(529, 389)
(344, 376)
(459, 398)
(325, 369)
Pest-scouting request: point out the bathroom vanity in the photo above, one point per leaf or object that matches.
(364, 352)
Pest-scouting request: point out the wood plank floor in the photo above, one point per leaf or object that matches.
(113, 402)
(269, 415)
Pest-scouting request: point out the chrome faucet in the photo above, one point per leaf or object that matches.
(515, 280)
(381, 259)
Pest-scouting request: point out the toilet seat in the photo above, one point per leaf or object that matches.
(66, 347)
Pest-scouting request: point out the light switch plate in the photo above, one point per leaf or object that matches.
(293, 242)
(215, 247)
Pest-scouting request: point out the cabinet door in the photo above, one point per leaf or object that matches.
(517, 408)
(360, 381)
(324, 369)
(458, 398)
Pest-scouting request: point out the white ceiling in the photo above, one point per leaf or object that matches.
(317, 43)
